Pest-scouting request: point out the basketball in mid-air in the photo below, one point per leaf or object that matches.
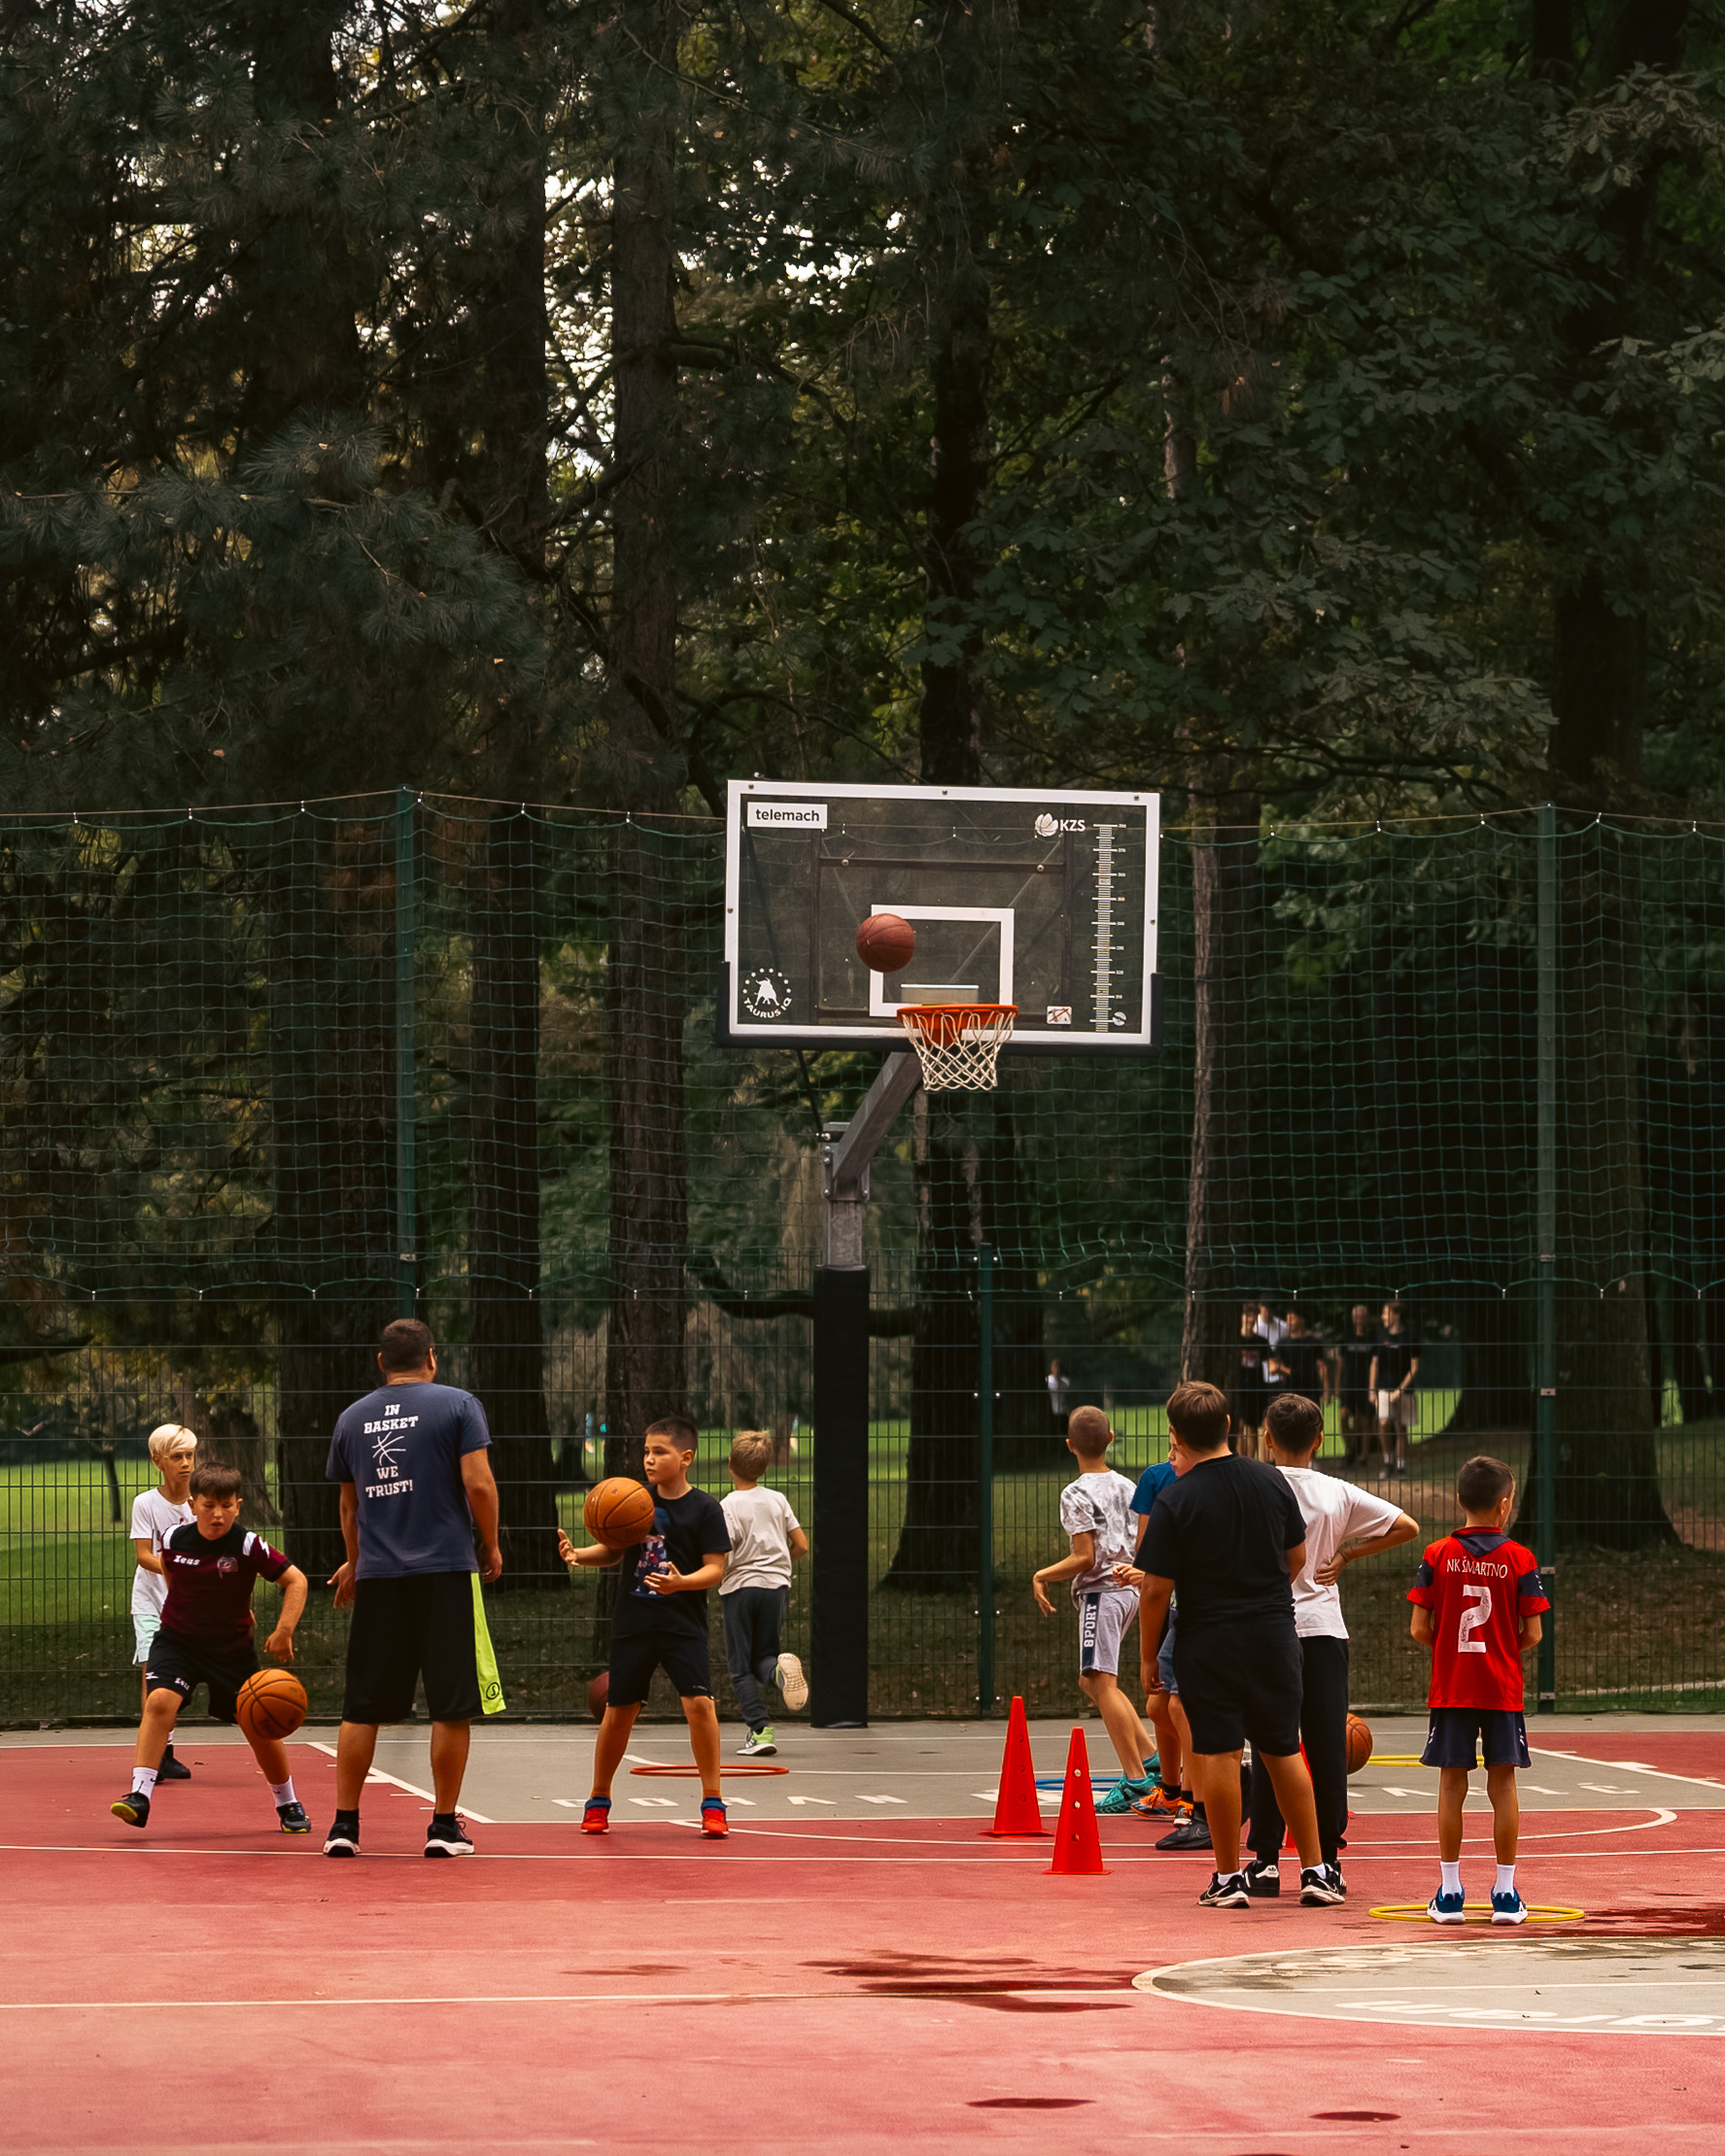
(598, 1693)
(1358, 1743)
(619, 1513)
(271, 1703)
(886, 943)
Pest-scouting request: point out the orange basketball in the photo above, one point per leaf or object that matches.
(619, 1513)
(271, 1704)
(886, 943)
(1358, 1743)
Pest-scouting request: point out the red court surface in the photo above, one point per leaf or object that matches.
(853, 1984)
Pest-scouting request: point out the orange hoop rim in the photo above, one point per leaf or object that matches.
(693, 1773)
(943, 1023)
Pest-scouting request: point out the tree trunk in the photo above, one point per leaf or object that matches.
(229, 1436)
(1225, 885)
(507, 1359)
(330, 968)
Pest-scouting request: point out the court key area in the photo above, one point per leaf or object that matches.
(856, 1970)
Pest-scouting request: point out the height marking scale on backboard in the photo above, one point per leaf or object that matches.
(1041, 900)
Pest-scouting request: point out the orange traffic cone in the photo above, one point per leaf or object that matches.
(1078, 1846)
(1015, 1809)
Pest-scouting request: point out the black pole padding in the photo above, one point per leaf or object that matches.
(838, 1682)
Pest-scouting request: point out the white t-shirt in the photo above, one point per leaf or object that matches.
(153, 1514)
(1100, 1505)
(1334, 1511)
(1060, 1384)
(761, 1523)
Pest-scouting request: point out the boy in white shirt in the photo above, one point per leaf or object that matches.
(756, 1591)
(156, 1514)
(1337, 1513)
(1095, 1510)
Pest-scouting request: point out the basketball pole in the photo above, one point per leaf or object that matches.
(839, 1683)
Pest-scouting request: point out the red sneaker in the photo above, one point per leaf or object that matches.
(713, 1817)
(595, 1818)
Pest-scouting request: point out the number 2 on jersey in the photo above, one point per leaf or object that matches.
(1476, 1615)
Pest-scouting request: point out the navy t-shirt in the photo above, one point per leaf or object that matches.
(687, 1530)
(402, 1448)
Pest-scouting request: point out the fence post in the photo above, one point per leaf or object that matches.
(1545, 1229)
(985, 1481)
(406, 1073)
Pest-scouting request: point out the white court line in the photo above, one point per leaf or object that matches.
(1629, 1766)
(377, 1774)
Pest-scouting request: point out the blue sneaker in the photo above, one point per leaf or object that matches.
(1446, 1908)
(1122, 1797)
(1508, 1907)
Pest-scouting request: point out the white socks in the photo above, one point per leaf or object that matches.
(1505, 1879)
(1452, 1876)
(144, 1780)
(283, 1792)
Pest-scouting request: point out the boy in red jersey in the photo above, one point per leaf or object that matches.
(1477, 1602)
(206, 1638)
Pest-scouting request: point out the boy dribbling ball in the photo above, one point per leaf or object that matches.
(1095, 1510)
(660, 1621)
(156, 1514)
(206, 1639)
(1478, 1604)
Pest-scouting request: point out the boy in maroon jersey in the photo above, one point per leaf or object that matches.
(1477, 1602)
(206, 1638)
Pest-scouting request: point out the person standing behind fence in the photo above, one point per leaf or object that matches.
(1059, 1385)
(415, 1481)
(1354, 1355)
(156, 1514)
(1249, 1394)
(1395, 1371)
(766, 1541)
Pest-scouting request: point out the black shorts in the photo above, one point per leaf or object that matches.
(1502, 1737)
(682, 1656)
(1238, 1680)
(179, 1664)
(405, 1629)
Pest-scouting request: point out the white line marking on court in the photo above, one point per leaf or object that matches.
(1627, 1766)
(862, 1800)
(377, 1774)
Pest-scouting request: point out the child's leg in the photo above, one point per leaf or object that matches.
(1266, 1829)
(1293, 1795)
(741, 1657)
(768, 1631)
(1188, 1762)
(156, 1728)
(1324, 1733)
(611, 1744)
(1216, 1776)
(1500, 1788)
(272, 1755)
(703, 1718)
(1452, 1793)
(1131, 1747)
(1159, 1706)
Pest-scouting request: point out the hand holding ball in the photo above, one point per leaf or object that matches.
(886, 943)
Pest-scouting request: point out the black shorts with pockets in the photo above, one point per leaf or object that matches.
(1501, 1736)
(403, 1630)
(1238, 1680)
(684, 1657)
(177, 1663)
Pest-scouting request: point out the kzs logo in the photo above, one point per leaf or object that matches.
(1051, 826)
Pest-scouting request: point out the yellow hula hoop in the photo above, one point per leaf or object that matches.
(1416, 1912)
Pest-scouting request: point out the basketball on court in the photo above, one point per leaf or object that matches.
(619, 1513)
(271, 1703)
(1358, 1743)
(886, 943)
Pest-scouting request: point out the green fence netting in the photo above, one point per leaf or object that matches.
(269, 1077)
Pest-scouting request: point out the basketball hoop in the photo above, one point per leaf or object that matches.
(956, 1042)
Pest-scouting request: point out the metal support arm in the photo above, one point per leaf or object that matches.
(846, 1151)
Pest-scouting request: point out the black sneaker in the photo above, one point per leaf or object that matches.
(1263, 1879)
(133, 1807)
(1322, 1887)
(1232, 1892)
(172, 1769)
(292, 1818)
(343, 1837)
(447, 1836)
(1191, 1833)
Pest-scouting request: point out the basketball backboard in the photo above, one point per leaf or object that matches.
(1041, 899)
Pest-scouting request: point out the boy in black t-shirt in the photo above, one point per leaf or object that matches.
(206, 1638)
(660, 1619)
(1394, 1373)
(1355, 1354)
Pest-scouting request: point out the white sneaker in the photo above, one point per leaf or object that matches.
(793, 1686)
(758, 1744)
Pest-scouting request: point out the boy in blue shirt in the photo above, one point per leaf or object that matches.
(1169, 1803)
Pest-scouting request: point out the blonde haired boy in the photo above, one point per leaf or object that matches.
(156, 1514)
(766, 1541)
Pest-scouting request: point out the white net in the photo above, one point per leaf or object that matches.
(956, 1042)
